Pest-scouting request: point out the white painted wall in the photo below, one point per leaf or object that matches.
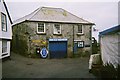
(8, 50)
(8, 34)
(5, 35)
(109, 49)
(0, 19)
(0, 49)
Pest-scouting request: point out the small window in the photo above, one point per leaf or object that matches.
(41, 28)
(57, 29)
(80, 29)
(80, 44)
(4, 46)
(3, 22)
(93, 40)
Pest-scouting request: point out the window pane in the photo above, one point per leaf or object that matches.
(4, 46)
(79, 28)
(3, 22)
(57, 29)
(40, 27)
(3, 18)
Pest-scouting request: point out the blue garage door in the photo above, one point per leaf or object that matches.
(58, 49)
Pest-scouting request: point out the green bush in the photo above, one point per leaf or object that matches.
(109, 72)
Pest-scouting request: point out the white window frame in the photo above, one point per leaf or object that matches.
(4, 28)
(38, 27)
(4, 48)
(54, 32)
(82, 29)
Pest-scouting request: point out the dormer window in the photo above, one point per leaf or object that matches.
(3, 22)
(57, 29)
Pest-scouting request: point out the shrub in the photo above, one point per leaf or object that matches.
(109, 71)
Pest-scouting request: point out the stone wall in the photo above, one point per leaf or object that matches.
(67, 32)
(20, 39)
(26, 33)
(86, 37)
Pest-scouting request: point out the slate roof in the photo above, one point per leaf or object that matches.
(48, 14)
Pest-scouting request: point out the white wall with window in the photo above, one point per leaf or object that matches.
(5, 49)
(57, 29)
(4, 46)
(5, 28)
(41, 28)
(5, 32)
(3, 22)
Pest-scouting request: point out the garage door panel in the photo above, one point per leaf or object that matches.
(57, 46)
(58, 49)
(58, 54)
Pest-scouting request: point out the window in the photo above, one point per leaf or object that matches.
(93, 41)
(41, 28)
(4, 46)
(57, 29)
(80, 44)
(3, 22)
(80, 29)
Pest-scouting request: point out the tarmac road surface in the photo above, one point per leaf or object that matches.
(22, 67)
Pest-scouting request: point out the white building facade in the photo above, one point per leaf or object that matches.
(5, 31)
(109, 45)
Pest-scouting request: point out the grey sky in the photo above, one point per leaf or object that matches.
(103, 14)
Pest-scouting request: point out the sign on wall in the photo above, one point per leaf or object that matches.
(80, 44)
(44, 53)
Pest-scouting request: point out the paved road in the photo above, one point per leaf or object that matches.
(22, 67)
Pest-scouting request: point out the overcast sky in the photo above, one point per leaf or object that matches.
(104, 14)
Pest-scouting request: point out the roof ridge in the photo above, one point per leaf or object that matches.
(35, 12)
(50, 7)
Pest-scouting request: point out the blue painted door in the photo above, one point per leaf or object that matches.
(58, 49)
(75, 48)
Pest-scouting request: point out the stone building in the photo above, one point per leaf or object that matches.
(61, 32)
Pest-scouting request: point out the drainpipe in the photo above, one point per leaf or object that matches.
(73, 39)
(91, 39)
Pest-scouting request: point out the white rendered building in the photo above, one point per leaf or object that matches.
(5, 30)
